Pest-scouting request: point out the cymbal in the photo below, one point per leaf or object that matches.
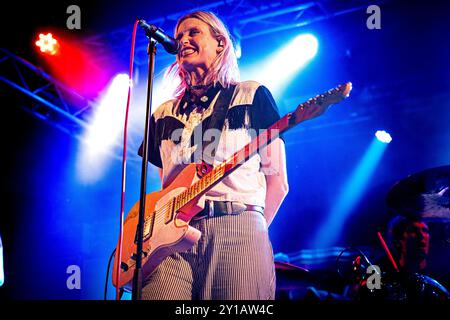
(425, 194)
(291, 277)
(279, 265)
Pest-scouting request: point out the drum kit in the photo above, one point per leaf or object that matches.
(424, 195)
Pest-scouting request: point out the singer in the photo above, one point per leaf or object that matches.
(233, 260)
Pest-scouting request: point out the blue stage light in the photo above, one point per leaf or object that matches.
(278, 69)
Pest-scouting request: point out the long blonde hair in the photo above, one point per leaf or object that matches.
(224, 68)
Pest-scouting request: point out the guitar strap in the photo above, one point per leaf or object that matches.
(216, 121)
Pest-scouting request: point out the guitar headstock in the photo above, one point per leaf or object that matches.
(316, 106)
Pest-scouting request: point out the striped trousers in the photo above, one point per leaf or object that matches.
(233, 260)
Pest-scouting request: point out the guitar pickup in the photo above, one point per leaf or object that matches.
(170, 212)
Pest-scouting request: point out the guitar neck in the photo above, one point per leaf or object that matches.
(310, 109)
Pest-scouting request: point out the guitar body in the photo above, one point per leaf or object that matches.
(167, 237)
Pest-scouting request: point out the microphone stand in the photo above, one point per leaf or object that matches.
(137, 277)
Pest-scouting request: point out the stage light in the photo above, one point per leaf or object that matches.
(104, 130)
(277, 70)
(302, 49)
(238, 49)
(351, 194)
(383, 136)
(47, 44)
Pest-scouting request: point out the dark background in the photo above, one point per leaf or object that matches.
(401, 79)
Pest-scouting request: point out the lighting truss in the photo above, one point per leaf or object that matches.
(245, 18)
(48, 99)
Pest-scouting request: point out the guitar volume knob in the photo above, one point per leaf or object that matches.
(124, 266)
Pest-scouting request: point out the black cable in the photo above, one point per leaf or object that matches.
(107, 274)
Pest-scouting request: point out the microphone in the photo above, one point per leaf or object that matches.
(171, 45)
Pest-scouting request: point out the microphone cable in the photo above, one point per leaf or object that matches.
(105, 292)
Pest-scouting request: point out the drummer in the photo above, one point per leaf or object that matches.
(409, 239)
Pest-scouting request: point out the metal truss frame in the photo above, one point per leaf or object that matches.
(245, 18)
(48, 99)
(52, 101)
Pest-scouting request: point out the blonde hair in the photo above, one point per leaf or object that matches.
(224, 68)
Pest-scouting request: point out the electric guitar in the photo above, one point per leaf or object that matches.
(169, 211)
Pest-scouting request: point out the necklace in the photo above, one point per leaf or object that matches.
(198, 94)
(200, 86)
(198, 97)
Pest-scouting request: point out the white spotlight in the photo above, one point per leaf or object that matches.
(104, 130)
(302, 49)
(383, 136)
(277, 70)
